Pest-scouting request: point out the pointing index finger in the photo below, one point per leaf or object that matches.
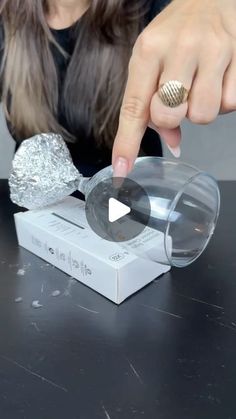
(135, 109)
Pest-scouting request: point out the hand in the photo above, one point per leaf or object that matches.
(193, 41)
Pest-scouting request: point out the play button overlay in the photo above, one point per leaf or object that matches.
(117, 209)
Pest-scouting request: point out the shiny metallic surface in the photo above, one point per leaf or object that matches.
(173, 93)
(42, 172)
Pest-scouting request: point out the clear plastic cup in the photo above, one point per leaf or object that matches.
(184, 204)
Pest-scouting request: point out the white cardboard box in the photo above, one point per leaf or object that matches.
(61, 235)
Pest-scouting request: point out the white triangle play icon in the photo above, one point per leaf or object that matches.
(116, 210)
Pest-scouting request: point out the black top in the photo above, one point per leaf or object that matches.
(85, 153)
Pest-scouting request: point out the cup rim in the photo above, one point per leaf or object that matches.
(171, 161)
(172, 208)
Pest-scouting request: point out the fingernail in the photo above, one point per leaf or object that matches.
(176, 151)
(120, 167)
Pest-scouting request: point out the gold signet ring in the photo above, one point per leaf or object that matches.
(173, 93)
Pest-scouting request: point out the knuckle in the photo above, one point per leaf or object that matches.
(145, 44)
(229, 103)
(186, 43)
(200, 118)
(215, 44)
(165, 120)
(219, 50)
(133, 108)
(218, 46)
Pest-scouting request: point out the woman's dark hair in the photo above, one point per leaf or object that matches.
(96, 73)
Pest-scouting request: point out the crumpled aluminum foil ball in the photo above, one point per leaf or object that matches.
(42, 172)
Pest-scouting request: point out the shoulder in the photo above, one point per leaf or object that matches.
(155, 7)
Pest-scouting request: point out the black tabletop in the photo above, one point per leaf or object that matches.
(168, 352)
